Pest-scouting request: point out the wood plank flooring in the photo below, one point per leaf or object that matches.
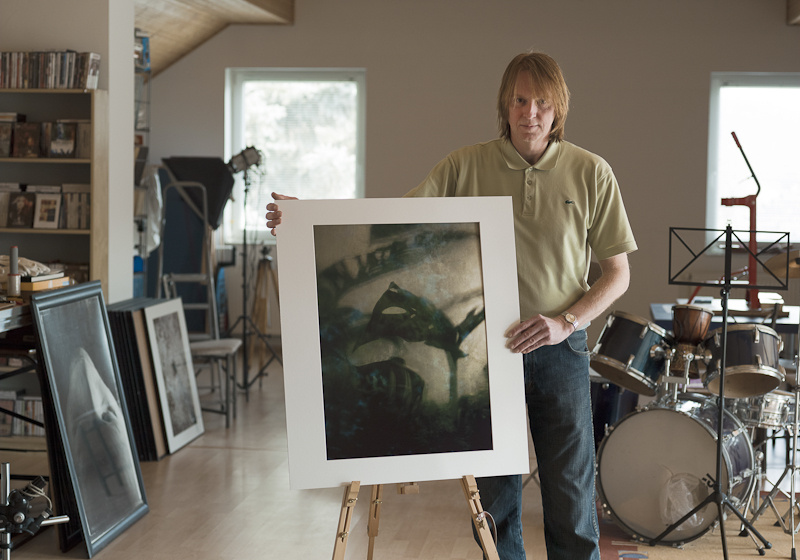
(226, 495)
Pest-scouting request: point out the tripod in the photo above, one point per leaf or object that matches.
(717, 496)
(248, 325)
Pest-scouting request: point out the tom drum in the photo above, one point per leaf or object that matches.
(752, 365)
(623, 353)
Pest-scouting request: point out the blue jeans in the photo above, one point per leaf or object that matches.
(558, 394)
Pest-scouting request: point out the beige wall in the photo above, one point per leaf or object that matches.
(639, 71)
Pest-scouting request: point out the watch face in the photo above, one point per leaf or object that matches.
(570, 317)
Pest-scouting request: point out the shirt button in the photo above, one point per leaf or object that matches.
(529, 182)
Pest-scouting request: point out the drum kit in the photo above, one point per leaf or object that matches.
(658, 462)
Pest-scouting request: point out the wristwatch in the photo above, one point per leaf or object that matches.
(571, 319)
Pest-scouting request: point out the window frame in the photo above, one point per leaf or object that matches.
(719, 80)
(236, 77)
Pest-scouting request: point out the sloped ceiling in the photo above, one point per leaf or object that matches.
(177, 27)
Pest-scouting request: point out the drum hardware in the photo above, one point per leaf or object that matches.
(790, 470)
(683, 355)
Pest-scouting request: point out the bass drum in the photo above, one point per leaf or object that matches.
(652, 468)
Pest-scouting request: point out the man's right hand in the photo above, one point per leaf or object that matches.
(274, 214)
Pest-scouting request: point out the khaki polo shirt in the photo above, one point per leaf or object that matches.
(566, 206)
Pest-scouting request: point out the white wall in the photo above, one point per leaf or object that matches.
(105, 27)
(639, 71)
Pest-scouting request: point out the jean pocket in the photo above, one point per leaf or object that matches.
(577, 342)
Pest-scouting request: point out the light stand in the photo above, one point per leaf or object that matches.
(15, 510)
(249, 327)
(717, 496)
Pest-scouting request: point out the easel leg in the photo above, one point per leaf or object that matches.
(345, 517)
(375, 502)
(479, 517)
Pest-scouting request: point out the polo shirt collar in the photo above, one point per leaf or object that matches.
(516, 162)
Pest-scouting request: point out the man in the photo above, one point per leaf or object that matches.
(566, 205)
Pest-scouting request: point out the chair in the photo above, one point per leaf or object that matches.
(208, 348)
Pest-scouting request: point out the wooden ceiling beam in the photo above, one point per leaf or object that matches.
(177, 27)
(793, 12)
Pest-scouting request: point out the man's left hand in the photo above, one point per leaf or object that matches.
(535, 332)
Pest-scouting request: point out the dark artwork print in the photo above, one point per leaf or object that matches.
(402, 339)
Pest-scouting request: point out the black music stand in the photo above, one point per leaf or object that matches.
(717, 496)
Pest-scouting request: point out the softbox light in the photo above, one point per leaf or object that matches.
(211, 172)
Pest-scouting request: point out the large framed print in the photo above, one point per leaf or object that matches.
(83, 382)
(172, 362)
(393, 314)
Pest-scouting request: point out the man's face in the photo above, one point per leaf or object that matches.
(530, 119)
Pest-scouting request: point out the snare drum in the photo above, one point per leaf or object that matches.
(653, 465)
(774, 410)
(623, 353)
(751, 361)
(690, 323)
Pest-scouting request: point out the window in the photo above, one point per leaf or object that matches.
(763, 110)
(309, 126)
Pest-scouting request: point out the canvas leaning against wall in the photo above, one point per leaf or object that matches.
(392, 319)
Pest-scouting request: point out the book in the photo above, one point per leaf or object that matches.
(45, 284)
(62, 139)
(21, 206)
(26, 139)
(11, 394)
(6, 420)
(5, 190)
(12, 117)
(41, 277)
(6, 129)
(43, 188)
(89, 72)
(76, 205)
(45, 133)
(83, 140)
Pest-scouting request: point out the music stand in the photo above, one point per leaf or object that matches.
(717, 496)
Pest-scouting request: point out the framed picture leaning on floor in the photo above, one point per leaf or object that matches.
(78, 362)
(172, 362)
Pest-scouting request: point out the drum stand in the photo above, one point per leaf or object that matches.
(717, 496)
(790, 469)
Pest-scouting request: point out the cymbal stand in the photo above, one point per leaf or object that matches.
(717, 496)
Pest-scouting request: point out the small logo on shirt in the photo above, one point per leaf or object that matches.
(569, 202)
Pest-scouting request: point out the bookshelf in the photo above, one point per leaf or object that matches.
(84, 246)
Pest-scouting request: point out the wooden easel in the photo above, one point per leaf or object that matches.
(350, 498)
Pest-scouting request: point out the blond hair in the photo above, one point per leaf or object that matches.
(547, 82)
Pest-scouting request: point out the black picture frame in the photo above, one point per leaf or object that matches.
(84, 392)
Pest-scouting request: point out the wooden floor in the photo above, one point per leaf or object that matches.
(226, 495)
